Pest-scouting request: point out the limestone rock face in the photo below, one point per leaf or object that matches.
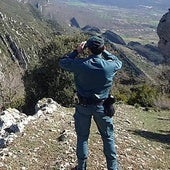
(163, 31)
(13, 122)
(74, 23)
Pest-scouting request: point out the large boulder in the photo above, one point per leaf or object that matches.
(163, 31)
(91, 29)
(151, 52)
(13, 122)
(74, 23)
(46, 106)
(113, 37)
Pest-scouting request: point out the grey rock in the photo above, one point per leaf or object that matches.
(46, 106)
(12, 129)
(91, 29)
(148, 51)
(163, 31)
(62, 138)
(113, 37)
(2, 143)
(13, 122)
(74, 23)
(2, 16)
(17, 54)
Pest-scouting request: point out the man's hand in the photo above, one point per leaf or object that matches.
(80, 48)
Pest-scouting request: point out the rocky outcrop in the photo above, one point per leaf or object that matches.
(113, 37)
(163, 31)
(17, 53)
(13, 122)
(91, 29)
(46, 106)
(2, 16)
(150, 52)
(74, 23)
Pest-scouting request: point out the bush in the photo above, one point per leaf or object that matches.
(162, 102)
(47, 79)
(144, 95)
(121, 93)
(18, 103)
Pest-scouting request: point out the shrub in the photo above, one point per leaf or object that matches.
(144, 95)
(162, 102)
(47, 79)
(18, 103)
(121, 93)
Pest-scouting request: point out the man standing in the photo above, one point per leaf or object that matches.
(93, 80)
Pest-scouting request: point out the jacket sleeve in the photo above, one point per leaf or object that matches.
(67, 62)
(109, 56)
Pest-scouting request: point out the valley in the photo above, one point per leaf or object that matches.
(137, 24)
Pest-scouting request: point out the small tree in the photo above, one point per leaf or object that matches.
(47, 79)
(144, 95)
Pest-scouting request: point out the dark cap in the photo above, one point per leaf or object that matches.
(95, 42)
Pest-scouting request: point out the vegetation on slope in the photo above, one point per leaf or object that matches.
(22, 30)
(44, 78)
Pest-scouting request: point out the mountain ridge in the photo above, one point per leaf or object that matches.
(21, 36)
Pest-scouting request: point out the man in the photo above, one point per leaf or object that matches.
(93, 80)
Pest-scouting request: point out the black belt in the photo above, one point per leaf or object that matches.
(89, 101)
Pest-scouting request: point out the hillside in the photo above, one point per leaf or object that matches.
(142, 142)
(132, 25)
(24, 25)
(22, 33)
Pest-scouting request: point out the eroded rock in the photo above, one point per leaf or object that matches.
(163, 31)
(13, 122)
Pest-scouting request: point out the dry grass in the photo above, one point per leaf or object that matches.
(142, 141)
(163, 102)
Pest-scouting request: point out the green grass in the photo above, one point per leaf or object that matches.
(156, 120)
(154, 134)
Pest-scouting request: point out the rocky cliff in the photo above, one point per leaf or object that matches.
(163, 31)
